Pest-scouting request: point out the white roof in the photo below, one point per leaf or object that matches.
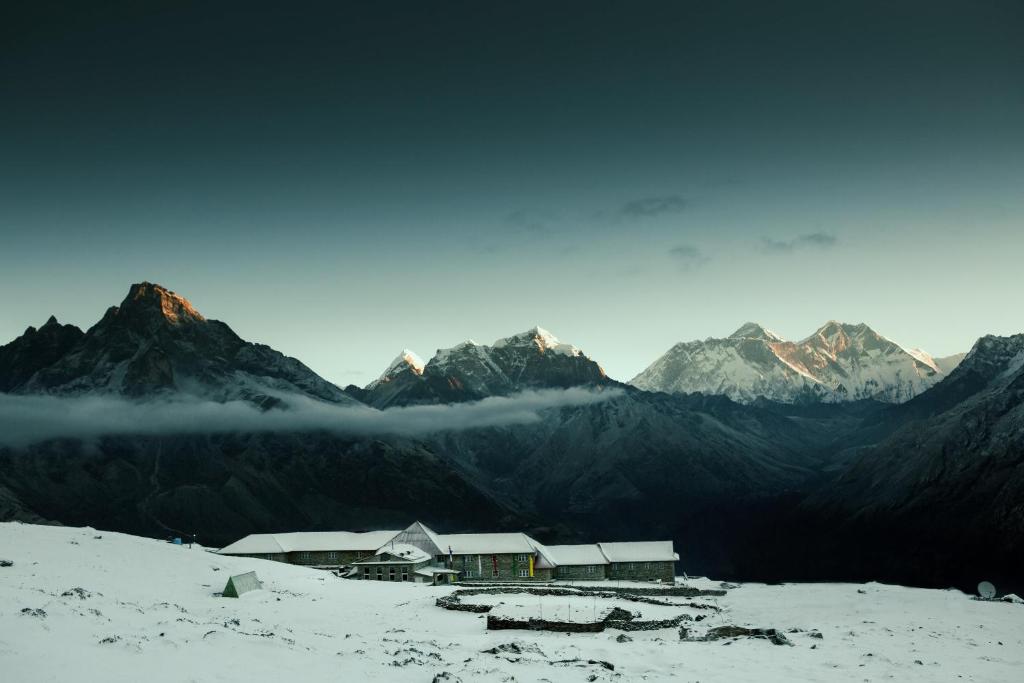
(641, 551)
(404, 551)
(431, 571)
(266, 544)
(486, 544)
(569, 555)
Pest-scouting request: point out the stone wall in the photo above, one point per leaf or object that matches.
(389, 571)
(277, 557)
(509, 567)
(642, 571)
(323, 557)
(598, 572)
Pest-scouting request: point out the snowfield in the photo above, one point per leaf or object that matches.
(80, 604)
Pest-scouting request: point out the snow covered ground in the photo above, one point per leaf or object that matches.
(146, 610)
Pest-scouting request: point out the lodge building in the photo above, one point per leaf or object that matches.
(420, 554)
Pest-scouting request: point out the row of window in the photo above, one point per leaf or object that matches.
(332, 555)
(495, 573)
(392, 574)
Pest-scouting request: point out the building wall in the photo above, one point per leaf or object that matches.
(324, 557)
(642, 571)
(509, 567)
(593, 572)
(277, 557)
(398, 571)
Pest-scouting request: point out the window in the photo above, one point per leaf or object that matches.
(405, 573)
(590, 569)
(523, 573)
(522, 558)
(468, 574)
(366, 573)
(333, 555)
(380, 573)
(647, 565)
(391, 573)
(304, 556)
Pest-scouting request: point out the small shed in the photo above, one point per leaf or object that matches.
(241, 583)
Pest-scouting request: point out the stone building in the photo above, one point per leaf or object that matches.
(578, 562)
(641, 561)
(481, 557)
(394, 562)
(418, 553)
(321, 549)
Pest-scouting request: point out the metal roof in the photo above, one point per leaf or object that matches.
(267, 544)
(402, 551)
(569, 555)
(639, 551)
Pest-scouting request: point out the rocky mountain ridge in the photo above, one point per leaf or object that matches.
(838, 362)
(156, 343)
(534, 359)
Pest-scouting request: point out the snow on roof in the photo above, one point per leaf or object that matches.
(486, 544)
(254, 544)
(640, 551)
(404, 551)
(266, 544)
(421, 536)
(431, 571)
(569, 555)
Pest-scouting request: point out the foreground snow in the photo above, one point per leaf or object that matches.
(147, 611)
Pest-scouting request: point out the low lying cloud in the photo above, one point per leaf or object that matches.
(814, 240)
(25, 420)
(687, 257)
(648, 207)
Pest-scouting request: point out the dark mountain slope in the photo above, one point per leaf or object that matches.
(223, 487)
(35, 350)
(939, 499)
(156, 343)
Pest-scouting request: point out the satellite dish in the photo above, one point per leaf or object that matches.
(986, 590)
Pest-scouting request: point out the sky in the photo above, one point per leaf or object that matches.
(345, 180)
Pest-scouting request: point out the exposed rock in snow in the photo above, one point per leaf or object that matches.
(155, 343)
(839, 362)
(534, 359)
(153, 615)
(407, 361)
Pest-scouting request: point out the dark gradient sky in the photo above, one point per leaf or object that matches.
(342, 180)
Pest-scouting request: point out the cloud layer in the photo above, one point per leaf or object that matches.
(648, 207)
(687, 256)
(25, 420)
(814, 240)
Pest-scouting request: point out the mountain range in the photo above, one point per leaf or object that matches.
(813, 459)
(839, 362)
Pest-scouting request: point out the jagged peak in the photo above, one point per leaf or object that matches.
(150, 297)
(52, 320)
(539, 337)
(408, 359)
(755, 331)
(834, 327)
(405, 361)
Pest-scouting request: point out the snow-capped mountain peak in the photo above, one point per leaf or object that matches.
(755, 331)
(406, 361)
(838, 362)
(539, 337)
